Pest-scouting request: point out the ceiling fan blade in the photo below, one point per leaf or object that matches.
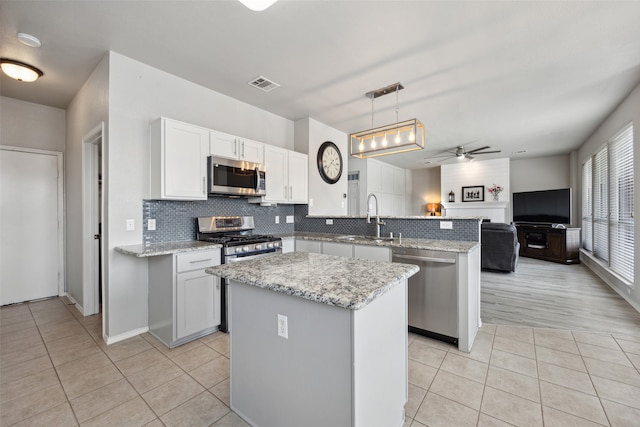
(489, 152)
(478, 149)
(468, 156)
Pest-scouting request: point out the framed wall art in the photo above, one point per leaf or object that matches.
(473, 194)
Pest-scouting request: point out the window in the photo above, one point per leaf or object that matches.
(607, 204)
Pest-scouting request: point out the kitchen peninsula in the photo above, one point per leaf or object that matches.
(318, 340)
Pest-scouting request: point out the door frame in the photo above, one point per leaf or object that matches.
(90, 210)
(61, 220)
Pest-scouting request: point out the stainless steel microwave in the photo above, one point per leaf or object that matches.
(235, 177)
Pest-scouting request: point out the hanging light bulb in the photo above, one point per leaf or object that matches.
(384, 140)
(412, 135)
(361, 146)
(397, 139)
(373, 142)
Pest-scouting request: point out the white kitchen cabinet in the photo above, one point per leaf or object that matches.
(184, 301)
(374, 253)
(287, 176)
(178, 160)
(288, 245)
(338, 249)
(386, 181)
(312, 246)
(236, 148)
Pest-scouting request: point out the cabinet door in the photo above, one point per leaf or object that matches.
(298, 177)
(251, 151)
(276, 164)
(288, 245)
(197, 302)
(184, 160)
(374, 253)
(310, 246)
(556, 245)
(337, 249)
(223, 145)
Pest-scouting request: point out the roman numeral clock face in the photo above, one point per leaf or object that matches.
(329, 162)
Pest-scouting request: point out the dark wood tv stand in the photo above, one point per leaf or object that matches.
(545, 242)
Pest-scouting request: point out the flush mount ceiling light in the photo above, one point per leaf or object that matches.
(19, 70)
(395, 138)
(29, 40)
(257, 5)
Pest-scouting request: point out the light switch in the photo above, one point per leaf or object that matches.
(448, 225)
(277, 219)
(131, 224)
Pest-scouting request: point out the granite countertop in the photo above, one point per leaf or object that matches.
(168, 248)
(425, 217)
(332, 280)
(429, 244)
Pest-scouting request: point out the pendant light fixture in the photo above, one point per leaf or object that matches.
(19, 70)
(257, 5)
(395, 138)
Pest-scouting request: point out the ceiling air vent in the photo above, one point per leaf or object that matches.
(264, 84)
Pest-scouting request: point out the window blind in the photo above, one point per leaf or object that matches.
(600, 206)
(587, 206)
(621, 224)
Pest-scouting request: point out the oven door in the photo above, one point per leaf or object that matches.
(224, 316)
(235, 177)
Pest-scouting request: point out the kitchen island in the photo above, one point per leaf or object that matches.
(318, 340)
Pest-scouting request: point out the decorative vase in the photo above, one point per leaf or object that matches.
(496, 196)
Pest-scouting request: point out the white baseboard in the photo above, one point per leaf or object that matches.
(607, 277)
(121, 337)
(78, 306)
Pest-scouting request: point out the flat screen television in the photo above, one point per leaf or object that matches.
(548, 206)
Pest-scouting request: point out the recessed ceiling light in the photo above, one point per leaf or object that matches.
(19, 70)
(29, 40)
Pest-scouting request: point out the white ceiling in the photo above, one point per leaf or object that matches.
(534, 76)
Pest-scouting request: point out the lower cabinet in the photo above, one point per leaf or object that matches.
(184, 301)
(370, 252)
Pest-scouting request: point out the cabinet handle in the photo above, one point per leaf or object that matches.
(291, 191)
(200, 260)
(285, 191)
(204, 185)
(243, 149)
(235, 147)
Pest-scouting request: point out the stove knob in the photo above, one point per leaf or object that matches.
(276, 244)
(246, 249)
(258, 247)
(269, 245)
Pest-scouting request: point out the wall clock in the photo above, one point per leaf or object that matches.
(329, 162)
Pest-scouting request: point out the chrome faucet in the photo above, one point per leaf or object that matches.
(379, 222)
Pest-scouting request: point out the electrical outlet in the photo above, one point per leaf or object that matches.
(277, 219)
(329, 222)
(283, 326)
(131, 224)
(151, 224)
(289, 219)
(448, 225)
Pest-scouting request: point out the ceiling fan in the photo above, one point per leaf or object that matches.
(461, 153)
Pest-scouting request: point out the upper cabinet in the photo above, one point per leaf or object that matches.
(387, 182)
(236, 148)
(178, 160)
(287, 176)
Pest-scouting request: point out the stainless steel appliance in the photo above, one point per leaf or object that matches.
(432, 293)
(235, 177)
(235, 234)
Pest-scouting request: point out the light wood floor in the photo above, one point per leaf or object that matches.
(551, 295)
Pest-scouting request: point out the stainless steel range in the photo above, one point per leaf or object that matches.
(235, 234)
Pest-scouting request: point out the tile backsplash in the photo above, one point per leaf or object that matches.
(176, 221)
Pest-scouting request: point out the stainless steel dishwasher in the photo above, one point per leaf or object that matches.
(432, 293)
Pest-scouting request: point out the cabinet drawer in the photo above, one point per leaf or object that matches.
(197, 260)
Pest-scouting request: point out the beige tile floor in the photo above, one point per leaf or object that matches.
(55, 370)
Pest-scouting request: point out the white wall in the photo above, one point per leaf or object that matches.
(628, 111)
(424, 188)
(541, 173)
(139, 94)
(469, 174)
(324, 199)
(86, 111)
(29, 125)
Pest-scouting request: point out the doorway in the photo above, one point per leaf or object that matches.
(92, 217)
(31, 208)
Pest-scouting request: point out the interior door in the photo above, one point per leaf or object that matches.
(29, 237)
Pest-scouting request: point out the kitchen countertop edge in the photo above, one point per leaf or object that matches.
(167, 248)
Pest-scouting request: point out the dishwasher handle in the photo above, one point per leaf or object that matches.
(423, 258)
